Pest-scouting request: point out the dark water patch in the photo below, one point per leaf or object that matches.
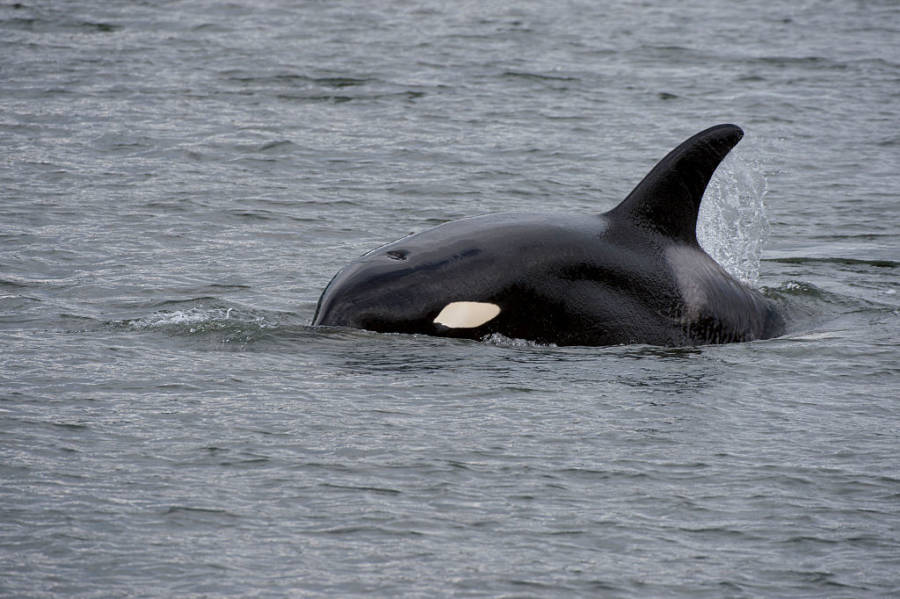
(177, 387)
(247, 462)
(365, 530)
(341, 82)
(535, 586)
(217, 288)
(586, 473)
(668, 54)
(840, 261)
(55, 280)
(254, 215)
(100, 27)
(50, 23)
(365, 489)
(338, 90)
(70, 426)
(191, 300)
(211, 28)
(178, 509)
(566, 533)
(406, 95)
(25, 23)
(860, 237)
(537, 76)
(326, 98)
(213, 517)
(806, 62)
(643, 352)
(14, 283)
(20, 310)
(293, 79)
(281, 144)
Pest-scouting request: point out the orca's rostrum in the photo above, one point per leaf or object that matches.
(635, 274)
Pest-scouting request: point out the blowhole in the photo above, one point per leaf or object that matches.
(397, 254)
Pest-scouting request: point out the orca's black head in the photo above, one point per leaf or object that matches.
(391, 289)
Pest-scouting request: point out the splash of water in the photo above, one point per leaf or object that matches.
(732, 226)
(222, 324)
(504, 341)
(193, 318)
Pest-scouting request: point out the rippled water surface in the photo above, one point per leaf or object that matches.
(179, 181)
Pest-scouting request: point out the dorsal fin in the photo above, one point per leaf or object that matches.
(668, 198)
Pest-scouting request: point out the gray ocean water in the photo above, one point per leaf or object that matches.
(179, 180)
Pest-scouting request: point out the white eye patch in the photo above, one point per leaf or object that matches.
(466, 315)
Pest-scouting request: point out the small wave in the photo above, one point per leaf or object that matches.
(818, 336)
(798, 288)
(792, 291)
(813, 313)
(226, 327)
(802, 300)
(237, 324)
(504, 341)
(190, 316)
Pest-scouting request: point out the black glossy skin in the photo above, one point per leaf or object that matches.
(632, 275)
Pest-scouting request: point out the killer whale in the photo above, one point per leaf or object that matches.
(634, 274)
